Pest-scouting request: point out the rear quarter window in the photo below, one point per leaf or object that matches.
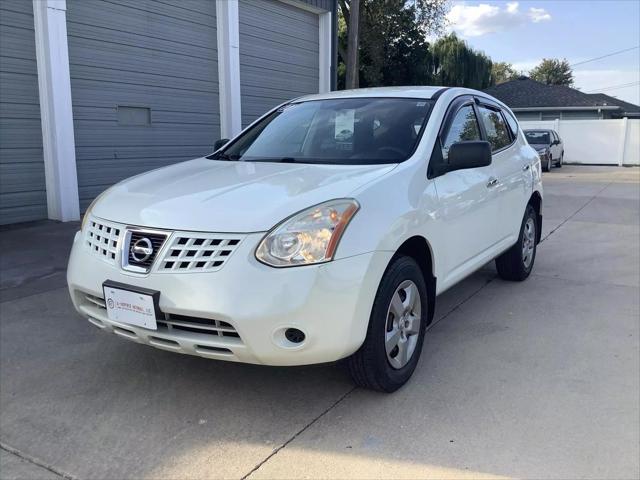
(513, 123)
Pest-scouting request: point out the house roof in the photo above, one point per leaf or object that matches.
(527, 93)
(609, 100)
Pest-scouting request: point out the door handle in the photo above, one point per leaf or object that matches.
(526, 167)
(493, 181)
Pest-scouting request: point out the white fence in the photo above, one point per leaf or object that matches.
(596, 142)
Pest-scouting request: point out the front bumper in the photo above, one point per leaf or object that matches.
(240, 312)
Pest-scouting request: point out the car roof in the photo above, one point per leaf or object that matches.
(424, 92)
(545, 130)
(382, 92)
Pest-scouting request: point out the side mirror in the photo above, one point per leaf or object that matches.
(471, 154)
(220, 143)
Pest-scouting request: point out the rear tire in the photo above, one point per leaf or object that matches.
(391, 350)
(516, 263)
(561, 160)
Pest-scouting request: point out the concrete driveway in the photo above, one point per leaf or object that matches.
(537, 379)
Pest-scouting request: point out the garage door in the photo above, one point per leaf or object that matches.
(144, 86)
(278, 55)
(22, 185)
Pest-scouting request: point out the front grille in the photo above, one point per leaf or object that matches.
(174, 323)
(173, 252)
(156, 239)
(198, 252)
(203, 326)
(97, 301)
(102, 239)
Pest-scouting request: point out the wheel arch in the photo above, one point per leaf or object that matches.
(419, 248)
(536, 202)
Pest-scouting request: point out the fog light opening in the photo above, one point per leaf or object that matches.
(294, 335)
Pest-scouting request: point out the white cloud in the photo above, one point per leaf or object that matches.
(539, 15)
(483, 18)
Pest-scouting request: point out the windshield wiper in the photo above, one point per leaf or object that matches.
(274, 159)
(224, 156)
(236, 157)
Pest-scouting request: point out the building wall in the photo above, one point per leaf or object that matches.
(582, 115)
(328, 5)
(279, 48)
(142, 79)
(527, 116)
(144, 84)
(22, 182)
(543, 115)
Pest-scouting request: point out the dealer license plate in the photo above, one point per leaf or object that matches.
(131, 306)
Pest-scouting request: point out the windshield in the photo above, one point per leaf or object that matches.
(534, 137)
(350, 131)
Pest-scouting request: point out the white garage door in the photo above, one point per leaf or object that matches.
(278, 55)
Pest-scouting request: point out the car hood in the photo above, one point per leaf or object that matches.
(221, 196)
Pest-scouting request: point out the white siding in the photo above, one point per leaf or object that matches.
(279, 55)
(22, 182)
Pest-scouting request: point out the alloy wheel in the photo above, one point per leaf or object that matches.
(528, 242)
(403, 324)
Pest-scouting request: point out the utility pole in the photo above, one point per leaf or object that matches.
(351, 77)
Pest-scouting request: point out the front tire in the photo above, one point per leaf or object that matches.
(516, 263)
(391, 350)
(548, 164)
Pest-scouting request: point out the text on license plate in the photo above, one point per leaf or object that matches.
(130, 307)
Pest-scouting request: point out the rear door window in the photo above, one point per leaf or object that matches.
(495, 127)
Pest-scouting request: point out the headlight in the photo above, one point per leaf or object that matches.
(542, 152)
(310, 236)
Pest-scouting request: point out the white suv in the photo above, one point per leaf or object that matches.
(325, 230)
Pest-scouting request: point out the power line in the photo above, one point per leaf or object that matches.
(605, 56)
(614, 87)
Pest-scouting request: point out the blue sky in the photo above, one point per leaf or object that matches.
(524, 32)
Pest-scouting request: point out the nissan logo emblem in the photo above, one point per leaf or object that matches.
(142, 249)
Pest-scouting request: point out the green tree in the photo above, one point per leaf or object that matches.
(502, 72)
(553, 71)
(392, 49)
(456, 64)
